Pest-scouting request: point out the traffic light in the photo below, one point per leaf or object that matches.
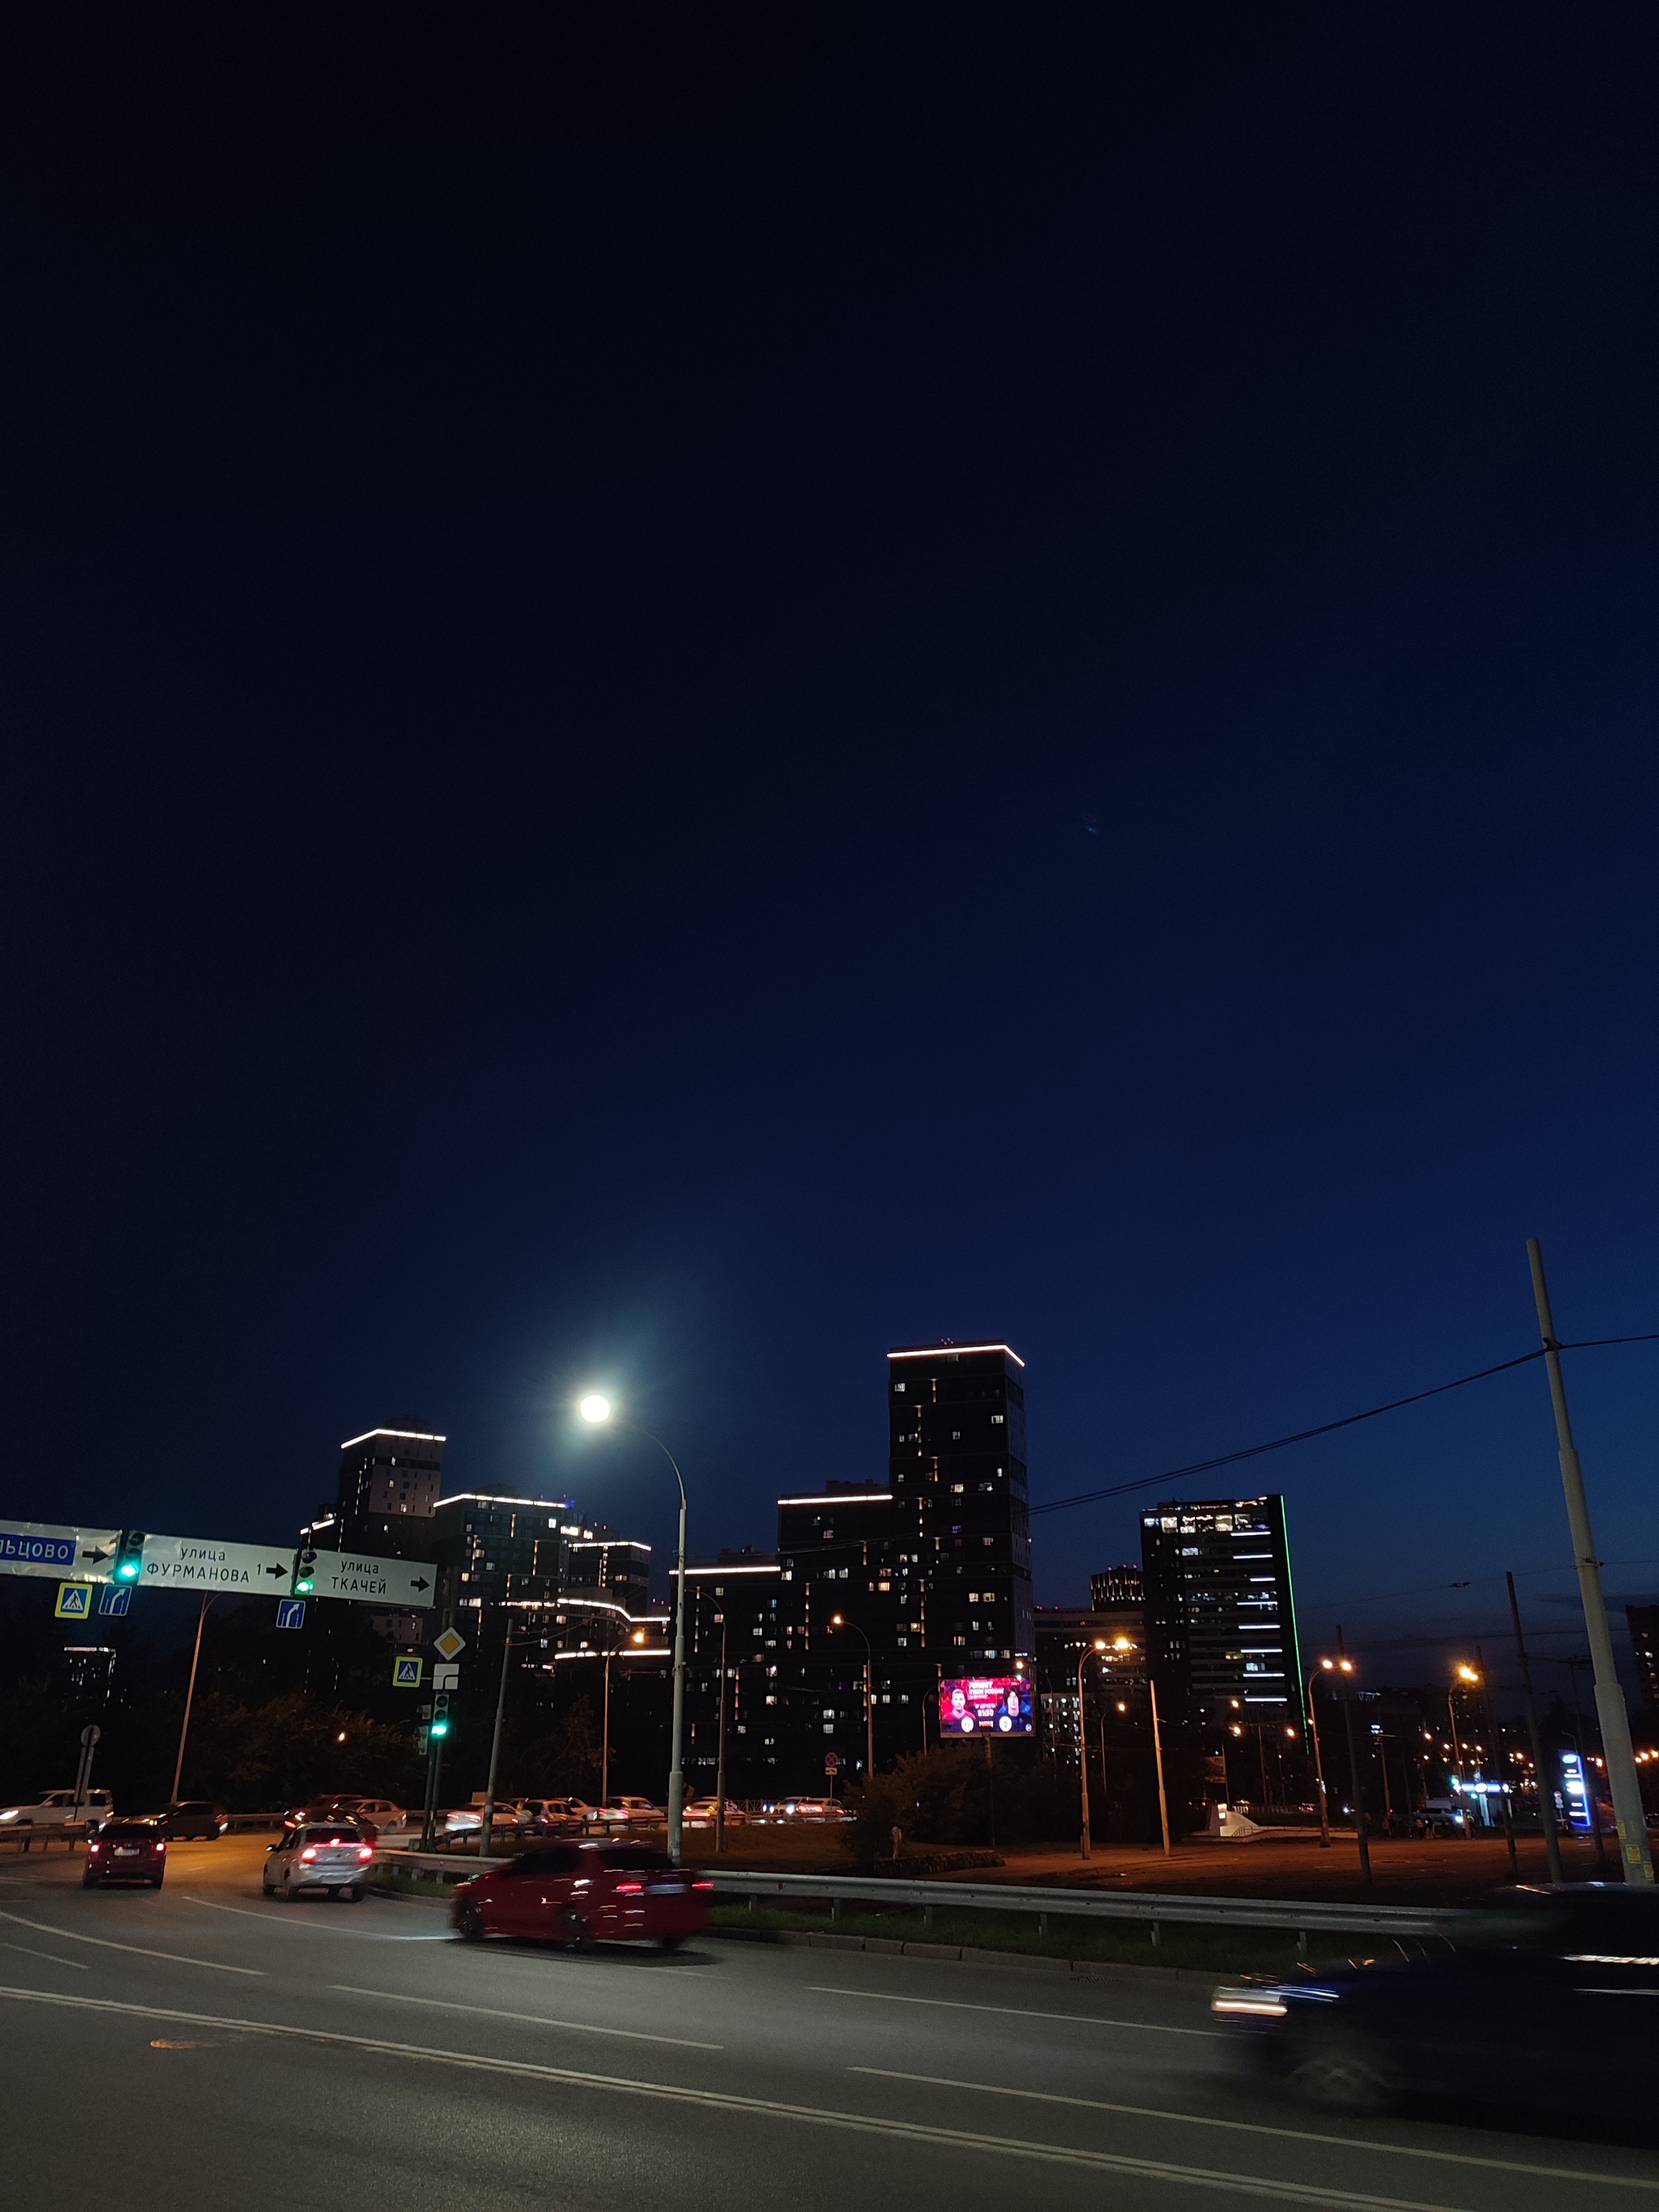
(440, 1728)
(305, 1574)
(129, 1556)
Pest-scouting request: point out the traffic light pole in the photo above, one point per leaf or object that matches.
(435, 1759)
(1610, 1708)
(190, 1699)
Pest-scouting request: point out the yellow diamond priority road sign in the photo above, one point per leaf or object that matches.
(449, 1645)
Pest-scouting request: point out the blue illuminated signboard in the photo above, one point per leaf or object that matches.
(986, 1705)
(1573, 1790)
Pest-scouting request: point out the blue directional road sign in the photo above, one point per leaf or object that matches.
(290, 1613)
(114, 1598)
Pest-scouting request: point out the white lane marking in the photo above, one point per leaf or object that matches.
(80, 1966)
(298, 1927)
(1256, 2128)
(866, 2124)
(1015, 2012)
(530, 2018)
(141, 1950)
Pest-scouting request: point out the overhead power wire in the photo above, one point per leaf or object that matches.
(1325, 1428)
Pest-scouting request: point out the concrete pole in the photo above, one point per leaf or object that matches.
(1616, 1748)
(720, 1763)
(1157, 1755)
(1353, 1762)
(1319, 1769)
(486, 1834)
(1546, 1781)
(1083, 1749)
(677, 1754)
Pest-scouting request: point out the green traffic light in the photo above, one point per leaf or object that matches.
(127, 1571)
(440, 1728)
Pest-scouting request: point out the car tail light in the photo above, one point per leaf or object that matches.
(703, 1885)
(93, 1850)
(160, 1846)
(630, 1889)
(309, 1852)
(365, 1850)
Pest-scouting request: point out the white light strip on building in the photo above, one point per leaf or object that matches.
(414, 1436)
(950, 1350)
(845, 1498)
(488, 1497)
(609, 1543)
(625, 1651)
(774, 1569)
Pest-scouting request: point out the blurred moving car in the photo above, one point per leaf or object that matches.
(376, 1813)
(195, 1819)
(577, 1894)
(126, 1851)
(57, 1810)
(1554, 2004)
(326, 1855)
(326, 1808)
(812, 1808)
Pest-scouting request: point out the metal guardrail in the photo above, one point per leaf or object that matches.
(1151, 1909)
(24, 1836)
(1303, 1915)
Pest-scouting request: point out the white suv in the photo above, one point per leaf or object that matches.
(57, 1810)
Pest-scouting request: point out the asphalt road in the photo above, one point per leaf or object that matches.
(202, 2048)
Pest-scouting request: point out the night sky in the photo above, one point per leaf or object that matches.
(688, 698)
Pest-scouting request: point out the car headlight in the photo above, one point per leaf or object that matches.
(9, 1814)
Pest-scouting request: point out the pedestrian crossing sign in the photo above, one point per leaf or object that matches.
(406, 1673)
(74, 1601)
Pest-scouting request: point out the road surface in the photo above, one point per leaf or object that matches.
(202, 2048)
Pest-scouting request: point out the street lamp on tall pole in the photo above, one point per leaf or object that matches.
(597, 1408)
(839, 1621)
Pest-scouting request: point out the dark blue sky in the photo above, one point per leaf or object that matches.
(685, 705)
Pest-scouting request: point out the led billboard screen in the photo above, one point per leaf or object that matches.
(986, 1705)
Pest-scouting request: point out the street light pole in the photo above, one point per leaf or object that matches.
(839, 1621)
(1345, 1665)
(1319, 1768)
(596, 1408)
(1545, 1783)
(1083, 1752)
(488, 1831)
(1610, 1707)
(190, 1699)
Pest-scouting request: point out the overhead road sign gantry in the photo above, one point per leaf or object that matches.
(52, 1551)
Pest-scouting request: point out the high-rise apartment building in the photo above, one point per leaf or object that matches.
(961, 1561)
(1645, 1642)
(389, 1484)
(1115, 1586)
(502, 1551)
(1220, 1615)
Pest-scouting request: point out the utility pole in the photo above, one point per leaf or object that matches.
(1157, 1755)
(1498, 1757)
(1353, 1762)
(1546, 1781)
(1616, 1748)
(190, 1699)
(719, 1765)
(1319, 1769)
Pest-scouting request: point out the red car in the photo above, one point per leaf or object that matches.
(579, 1893)
(126, 1851)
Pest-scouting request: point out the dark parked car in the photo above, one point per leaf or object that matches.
(1553, 2004)
(578, 1893)
(126, 1851)
(195, 1819)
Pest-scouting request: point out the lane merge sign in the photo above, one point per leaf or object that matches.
(290, 1613)
(52, 1551)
